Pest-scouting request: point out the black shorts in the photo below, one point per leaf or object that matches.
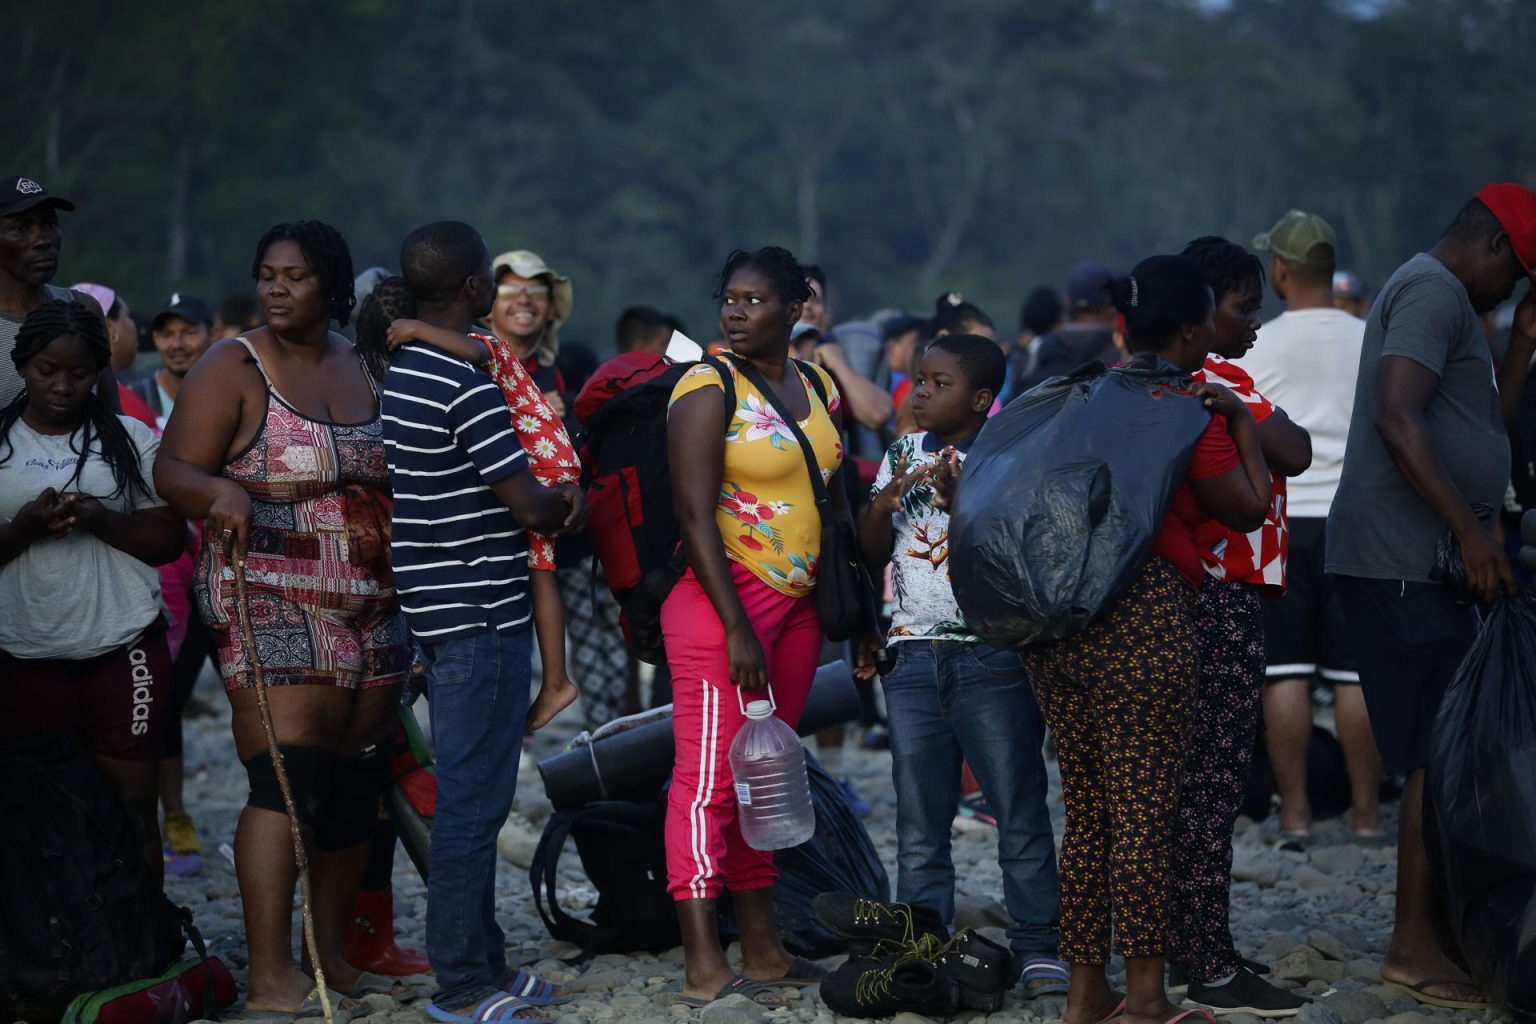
(1304, 631)
(117, 704)
(1411, 638)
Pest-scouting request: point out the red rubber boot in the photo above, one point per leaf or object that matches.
(370, 942)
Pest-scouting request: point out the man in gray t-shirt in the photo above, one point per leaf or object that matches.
(1427, 447)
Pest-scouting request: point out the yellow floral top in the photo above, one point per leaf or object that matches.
(767, 510)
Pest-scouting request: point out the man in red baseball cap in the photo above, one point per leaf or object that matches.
(1428, 451)
(1515, 208)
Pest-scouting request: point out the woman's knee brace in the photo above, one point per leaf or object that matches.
(309, 778)
(357, 780)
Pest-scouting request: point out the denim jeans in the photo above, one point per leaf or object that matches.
(478, 686)
(947, 701)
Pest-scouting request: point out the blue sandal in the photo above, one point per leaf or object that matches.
(499, 1008)
(1044, 976)
(535, 991)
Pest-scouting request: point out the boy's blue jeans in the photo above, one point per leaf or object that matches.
(478, 686)
(949, 701)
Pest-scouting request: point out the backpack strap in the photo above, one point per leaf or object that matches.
(808, 370)
(727, 384)
(210, 1009)
(542, 877)
(812, 467)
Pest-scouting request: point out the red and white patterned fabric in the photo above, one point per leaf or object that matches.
(1257, 557)
(551, 455)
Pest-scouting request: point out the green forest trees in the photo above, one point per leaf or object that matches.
(984, 145)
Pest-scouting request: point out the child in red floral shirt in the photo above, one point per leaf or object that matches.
(552, 459)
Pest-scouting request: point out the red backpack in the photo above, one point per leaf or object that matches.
(628, 480)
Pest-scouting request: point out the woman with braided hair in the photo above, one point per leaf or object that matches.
(82, 637)
(277, 443)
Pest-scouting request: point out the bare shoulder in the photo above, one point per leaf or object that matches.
(226, 367)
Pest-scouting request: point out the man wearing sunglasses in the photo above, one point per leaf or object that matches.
(532, 302)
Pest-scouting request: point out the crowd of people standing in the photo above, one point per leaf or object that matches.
(351, 517)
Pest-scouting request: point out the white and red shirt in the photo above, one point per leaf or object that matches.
(1257, 557)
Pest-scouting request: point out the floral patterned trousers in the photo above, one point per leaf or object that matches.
(1117, 697)
(1230, 622)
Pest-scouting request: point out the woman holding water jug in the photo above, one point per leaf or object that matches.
(741, 624)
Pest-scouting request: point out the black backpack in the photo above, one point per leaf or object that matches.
(622, 850)
(82, 912)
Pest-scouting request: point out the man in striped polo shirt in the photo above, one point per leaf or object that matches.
(463, 498)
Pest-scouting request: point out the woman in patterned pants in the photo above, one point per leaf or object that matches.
(1118, 696)
(1230, 623)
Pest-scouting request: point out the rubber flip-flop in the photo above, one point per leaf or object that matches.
(371, 984)
(1205, 1015)
(535, 991)
(1418, 995)
(1115, 1014)
(801, 973)
(500, 1008)
(1044, 976)
(760, 992)
(310, 1007)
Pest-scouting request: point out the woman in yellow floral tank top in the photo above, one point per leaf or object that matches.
(752, 534)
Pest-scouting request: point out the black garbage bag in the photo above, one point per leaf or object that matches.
(1062, 495)
(1481, 818)
(838, 858)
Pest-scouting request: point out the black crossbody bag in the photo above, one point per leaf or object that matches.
(845, 597)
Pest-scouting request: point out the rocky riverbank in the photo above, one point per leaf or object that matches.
(1320, 918)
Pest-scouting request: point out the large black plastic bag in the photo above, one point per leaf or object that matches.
(1062, 495)
(1482, 805)
(838, 858)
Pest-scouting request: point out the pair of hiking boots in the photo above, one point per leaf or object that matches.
(901, 958)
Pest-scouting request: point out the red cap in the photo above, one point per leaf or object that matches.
(1515, 207)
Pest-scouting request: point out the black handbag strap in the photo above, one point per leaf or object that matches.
(818, 485)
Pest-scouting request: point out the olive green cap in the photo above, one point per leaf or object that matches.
(1294, 237)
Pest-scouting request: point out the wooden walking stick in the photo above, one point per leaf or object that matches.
(301, 859)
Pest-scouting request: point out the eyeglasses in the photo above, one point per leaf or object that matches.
(507, 291)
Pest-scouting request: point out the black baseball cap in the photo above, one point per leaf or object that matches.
(18, 194)
(185, 305)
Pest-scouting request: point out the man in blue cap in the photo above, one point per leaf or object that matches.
(1089, 333)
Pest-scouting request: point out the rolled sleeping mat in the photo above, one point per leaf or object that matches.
(631, 757)
(411, 798)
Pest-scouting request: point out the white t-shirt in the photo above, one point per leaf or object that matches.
(1306, 362)
(925, 602)
(75, 597)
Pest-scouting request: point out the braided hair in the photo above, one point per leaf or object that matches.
(390, 300)
(102, 428)
(785, 275)
(326, 253)
(1228, 266)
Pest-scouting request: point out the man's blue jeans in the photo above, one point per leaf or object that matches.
(478, 687)
(947, 701)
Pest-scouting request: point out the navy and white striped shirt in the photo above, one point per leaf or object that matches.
(460, 558)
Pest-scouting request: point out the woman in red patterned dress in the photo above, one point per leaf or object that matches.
(277, 443)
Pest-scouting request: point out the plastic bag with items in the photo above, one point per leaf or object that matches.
(1062, 495)
(1482, 805)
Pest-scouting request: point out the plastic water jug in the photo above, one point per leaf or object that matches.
(773, 795)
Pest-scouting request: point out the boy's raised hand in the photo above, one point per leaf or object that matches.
(946, 478)
(888, 501)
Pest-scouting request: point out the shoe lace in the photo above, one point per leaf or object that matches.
(876, 983)
(873, 911)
